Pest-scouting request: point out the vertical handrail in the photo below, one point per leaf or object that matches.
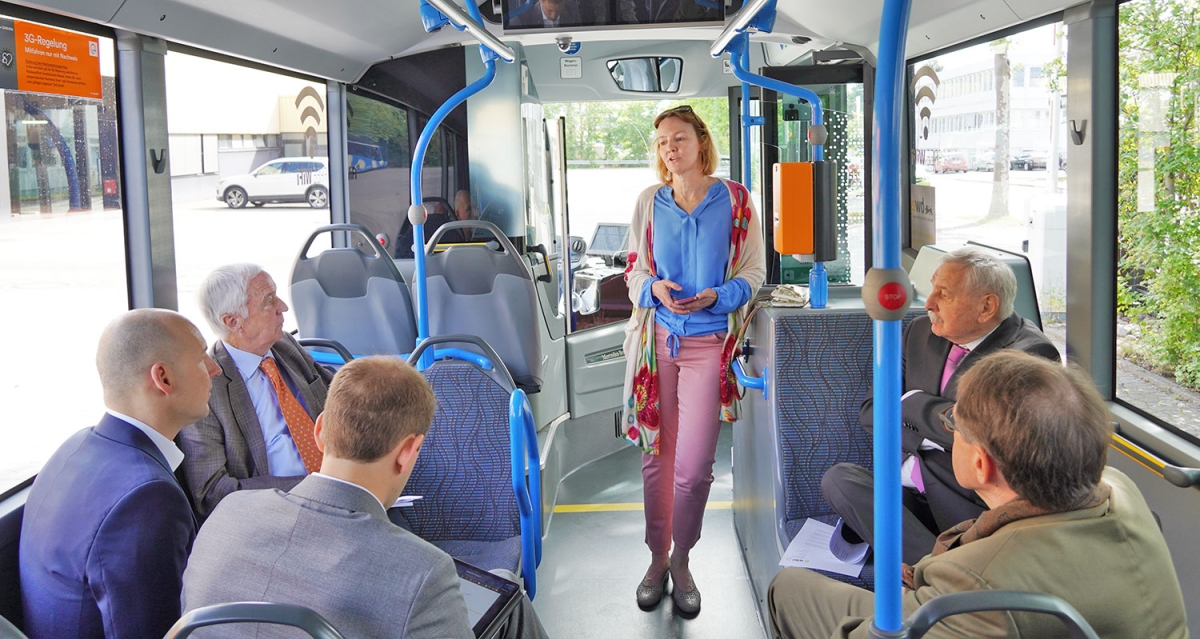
(416, 212)
(524, 453)
(747, 121)
(889, 100)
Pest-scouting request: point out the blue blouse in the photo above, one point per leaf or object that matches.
(693, 251)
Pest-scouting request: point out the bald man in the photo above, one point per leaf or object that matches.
(107, 527)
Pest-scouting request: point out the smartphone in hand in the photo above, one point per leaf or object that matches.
(686, 300)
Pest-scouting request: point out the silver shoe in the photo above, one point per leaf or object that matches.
(648, 596)
(687, 602)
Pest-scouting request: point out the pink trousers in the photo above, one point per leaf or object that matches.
(677, 480)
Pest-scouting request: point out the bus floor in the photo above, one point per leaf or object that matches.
(594, 556)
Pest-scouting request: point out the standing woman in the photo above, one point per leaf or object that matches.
(696, 260)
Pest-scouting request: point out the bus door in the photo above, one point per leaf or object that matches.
(593, 295)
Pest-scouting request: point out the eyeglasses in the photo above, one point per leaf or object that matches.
(947, 417)
(680, 109)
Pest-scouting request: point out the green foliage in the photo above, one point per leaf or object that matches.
(381, 124)
(621, 131)
(1159, 265)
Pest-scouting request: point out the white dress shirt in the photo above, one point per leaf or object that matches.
(169, 450)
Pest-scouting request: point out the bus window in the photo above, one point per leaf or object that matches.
(62, 258)
(989, 151)
(1158, 321)
(379, 156)
(256, 197)
(608, 165)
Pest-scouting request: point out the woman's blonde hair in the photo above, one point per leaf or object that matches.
(708, 148)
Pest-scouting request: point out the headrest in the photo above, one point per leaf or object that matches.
(344, 272)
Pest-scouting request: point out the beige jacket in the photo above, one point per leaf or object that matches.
(1110, 562)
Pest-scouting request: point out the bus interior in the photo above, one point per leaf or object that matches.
(539, 239)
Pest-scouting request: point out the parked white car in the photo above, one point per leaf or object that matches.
(280, 180)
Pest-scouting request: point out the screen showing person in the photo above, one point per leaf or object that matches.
(557, 14)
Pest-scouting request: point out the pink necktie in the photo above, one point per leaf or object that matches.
(957, 353)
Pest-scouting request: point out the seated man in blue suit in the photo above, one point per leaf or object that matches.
(107, 527)
(259, 431)
(328, 544)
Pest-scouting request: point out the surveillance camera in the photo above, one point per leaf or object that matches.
(563, 42)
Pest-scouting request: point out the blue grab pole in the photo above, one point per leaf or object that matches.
(739, 59)
(889, 100)
(523, 451)
(418, 283)
(747, 122)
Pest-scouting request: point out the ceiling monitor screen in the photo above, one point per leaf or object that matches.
(521, 15)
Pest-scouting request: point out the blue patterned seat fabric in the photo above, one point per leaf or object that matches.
(824, 373)
(464, 471)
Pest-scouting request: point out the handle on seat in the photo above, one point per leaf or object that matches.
(471, 224)
(488, 352)
(523, 450)
(349, 228)
(959, 603)
(254, 612)
(334, 345)
(747, 381)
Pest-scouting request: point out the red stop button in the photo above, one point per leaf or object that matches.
(893, 296)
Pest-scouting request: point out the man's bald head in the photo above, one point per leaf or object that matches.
(133, 342)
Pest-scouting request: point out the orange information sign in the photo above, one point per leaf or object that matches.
(50, 60)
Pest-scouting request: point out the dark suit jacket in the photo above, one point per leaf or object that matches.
(105, 537)
(923, 360)
(328, 546)
(226, 450)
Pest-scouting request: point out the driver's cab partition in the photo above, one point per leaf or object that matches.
(817, 369)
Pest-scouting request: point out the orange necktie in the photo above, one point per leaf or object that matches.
(299, 424)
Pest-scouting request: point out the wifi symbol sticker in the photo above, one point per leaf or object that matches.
(311, 116)
(925, 85)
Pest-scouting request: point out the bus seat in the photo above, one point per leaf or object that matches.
(1026, 304)
(476, 290)
(464, 472)
(357, 299)
(822, 374)
(313, 624)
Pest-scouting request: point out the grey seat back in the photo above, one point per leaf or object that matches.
(476, 290)
(354, 298)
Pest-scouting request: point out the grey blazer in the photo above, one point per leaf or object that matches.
(226, 451)
(329, 546)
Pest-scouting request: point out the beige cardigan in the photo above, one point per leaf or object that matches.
(751, 268)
